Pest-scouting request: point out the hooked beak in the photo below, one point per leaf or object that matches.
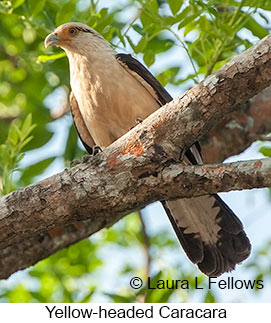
(51, 40)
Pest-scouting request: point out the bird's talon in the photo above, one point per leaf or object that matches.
(86, 158)
(96, 150)
(138, 121)
(74, 163)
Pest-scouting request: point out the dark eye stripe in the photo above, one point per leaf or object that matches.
(85, 30)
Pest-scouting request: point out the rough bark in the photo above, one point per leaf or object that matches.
(171, 182)
(124, 177)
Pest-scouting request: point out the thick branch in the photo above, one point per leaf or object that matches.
(124, 177)
(171, 182)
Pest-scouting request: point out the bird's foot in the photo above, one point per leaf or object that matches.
(74, 162)
(95, 151)
(139, 120)
(86, 158)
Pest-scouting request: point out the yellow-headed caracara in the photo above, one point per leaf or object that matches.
(110, 92)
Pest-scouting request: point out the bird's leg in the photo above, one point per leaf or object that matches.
(95, 151)
(74, 162)
(86, 158)
(139, 120)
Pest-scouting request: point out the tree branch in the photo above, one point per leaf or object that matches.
(136, 170)
(171, 182)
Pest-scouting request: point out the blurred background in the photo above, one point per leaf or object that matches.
(181, 42)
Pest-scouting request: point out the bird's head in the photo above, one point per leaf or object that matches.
(76, 37)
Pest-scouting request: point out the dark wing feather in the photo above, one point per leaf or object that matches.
(162, 95)
(135, 66)
(80, 126)
(219, 242)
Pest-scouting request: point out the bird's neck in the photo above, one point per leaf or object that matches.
(90, 74)
(88, 64)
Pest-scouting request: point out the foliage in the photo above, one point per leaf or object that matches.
(32, 78)
(11, 151)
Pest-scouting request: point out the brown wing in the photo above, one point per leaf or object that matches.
(144, 76)
(139, 71)
(208, 230)
(80, 126)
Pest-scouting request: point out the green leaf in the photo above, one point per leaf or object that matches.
(175, 5)
(104, 21)
(36, 6)
(159, 44)
(20, 157)
(121, 299)
(46, 58)
(27, 126)
(88, 297)
(266, 151)
(65, 13)
(149, 57)
(130, 42)
(256, 29)
(260, 276)
(121, 38)
(13, 135)
(149, 15)
(187, 20)
(139, 48)
(138, 29)
(153, 5)
(188, 28)
(4, 155)
(150, 297)
(212, 11)
(19, 294)
(17, 3)
(209, 297)
(165, 296)
(204, 24)
(183, 14)
(11, 151)
(263, 4)
(145, 19)
(25, 142)
(168, 76)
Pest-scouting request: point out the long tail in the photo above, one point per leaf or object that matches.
(210, 233)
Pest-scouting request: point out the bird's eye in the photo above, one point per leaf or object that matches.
(72, 31)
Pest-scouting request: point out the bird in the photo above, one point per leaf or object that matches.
(110, 91)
